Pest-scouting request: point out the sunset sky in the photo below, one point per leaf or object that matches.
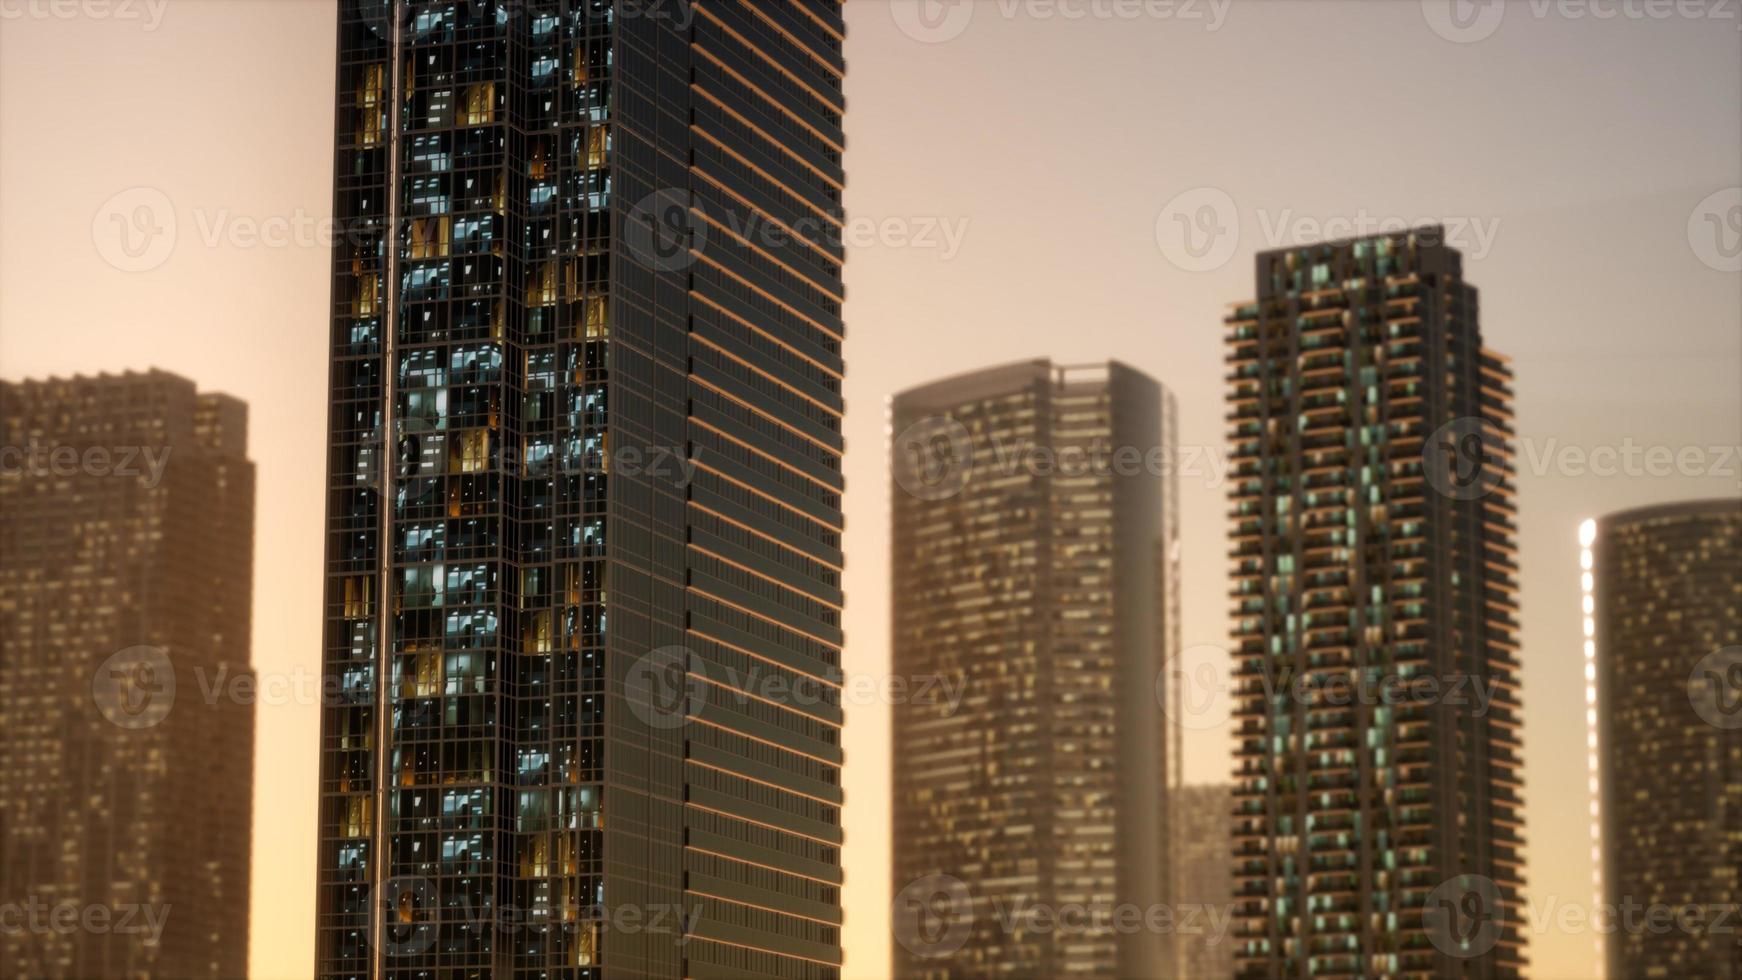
(1021, 172)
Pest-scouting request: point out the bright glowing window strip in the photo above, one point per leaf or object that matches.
(1587, 589)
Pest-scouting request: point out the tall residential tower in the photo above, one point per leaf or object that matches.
(126, 714)
(584, 496)
(1378, 809)
(1664, 588)
(1033, 560)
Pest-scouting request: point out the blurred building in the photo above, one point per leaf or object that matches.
(1378, 816)
(126, 569)
(1203, 880)
(583, 570)
(1664, 601)
(1033, 562)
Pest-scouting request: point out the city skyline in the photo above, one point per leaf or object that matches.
(1593, 179)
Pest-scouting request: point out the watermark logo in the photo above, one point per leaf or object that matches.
(1464, 916)
(663, 232)
(408, 907)
(135, 687)
(1715, 230)
(665, 687)
(148, 12)
(1464, 21)
(933, 457)
(933, 916)
(135, 230)
(1199, 230)
(36, 917)
(1455, 460)
(1715, 688)
(1193, 689)
(36, 460)
(932, 21)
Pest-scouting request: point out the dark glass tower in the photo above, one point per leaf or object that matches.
(584, 506)
(1667, 620)
(126, 709)
(1378, 817)
(1033, 523)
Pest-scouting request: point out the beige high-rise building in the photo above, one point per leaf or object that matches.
(126, 716)
(1201, 816)
(1033, 567)
(1665, 591)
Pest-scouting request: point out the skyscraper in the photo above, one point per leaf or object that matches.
(126, 721)
(1033, 527)
(1664, 641)
(584, 505)
(1198, 832)
(1378, 826)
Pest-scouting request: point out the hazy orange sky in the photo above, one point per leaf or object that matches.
(1591, 162)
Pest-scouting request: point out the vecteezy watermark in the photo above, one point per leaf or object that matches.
(1465, 916)
(135, 229)
(1715, 688)
(407, 908)
(666, 687)
(1469, 21)
(670, 685)
(938, 21)
(1192, 691)
(934, 916)
(933, 459)
(1200, 229)
(410, 909)
(144, 463)
(148, 13)
(36, 917)
(1462, 459)
(669, 230)
(1458, 462)
(1715, 229)
(135, 687)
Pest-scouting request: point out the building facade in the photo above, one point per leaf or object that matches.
(584, 498)
(1378, 816)
(1033, 532)
(1665, 588)
(1203, 880)
(126, 571)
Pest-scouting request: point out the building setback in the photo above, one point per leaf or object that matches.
(584, 498)
(1666, 590)
(1031, 565)
(1375, 657)
(126, 571)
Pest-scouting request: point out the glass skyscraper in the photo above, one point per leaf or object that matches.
(584, 503)
(1665, 644)
(126, 697)
(1034, 581)
(1378, 817)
